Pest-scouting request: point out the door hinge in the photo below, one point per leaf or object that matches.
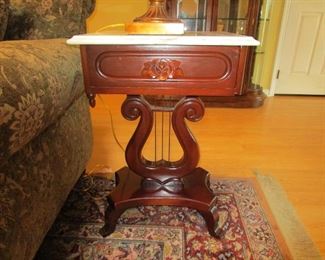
(278, 74)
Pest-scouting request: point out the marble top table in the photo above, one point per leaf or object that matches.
(190, 65)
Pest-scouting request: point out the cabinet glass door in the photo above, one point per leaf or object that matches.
(214, 15)
(193, 13)
(232, 16)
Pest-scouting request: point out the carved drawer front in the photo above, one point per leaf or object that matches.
(171, 70)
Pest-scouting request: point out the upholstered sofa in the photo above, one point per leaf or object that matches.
(45, 127)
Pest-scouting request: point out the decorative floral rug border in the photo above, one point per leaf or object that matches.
(153, 232)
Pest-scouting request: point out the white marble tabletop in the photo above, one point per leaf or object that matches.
(188, 38)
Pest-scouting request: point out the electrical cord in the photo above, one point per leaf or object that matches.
(111, 26)
(112, 123)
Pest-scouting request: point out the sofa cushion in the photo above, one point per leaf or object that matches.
(39, 80)
(36, 180)
(4, 4)
(46, 19)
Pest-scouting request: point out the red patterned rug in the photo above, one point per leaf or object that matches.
(164, 232)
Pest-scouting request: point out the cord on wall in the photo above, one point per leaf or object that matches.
(112, 123)
(110, 27)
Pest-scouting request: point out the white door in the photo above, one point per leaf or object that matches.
(300, 61)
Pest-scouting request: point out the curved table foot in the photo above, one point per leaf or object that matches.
(112, 215)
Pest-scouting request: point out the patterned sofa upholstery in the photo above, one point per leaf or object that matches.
(45, 127)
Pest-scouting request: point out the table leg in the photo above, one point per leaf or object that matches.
(162, 182)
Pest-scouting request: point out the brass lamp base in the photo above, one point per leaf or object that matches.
(155, 21)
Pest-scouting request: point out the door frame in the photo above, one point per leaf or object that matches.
(284, 22)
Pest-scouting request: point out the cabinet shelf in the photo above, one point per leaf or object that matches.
(232, 19)
(191, 19)
(264, 19)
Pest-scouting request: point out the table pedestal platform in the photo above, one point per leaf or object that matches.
(191, 191)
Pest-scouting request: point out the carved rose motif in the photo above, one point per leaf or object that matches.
(162, 69)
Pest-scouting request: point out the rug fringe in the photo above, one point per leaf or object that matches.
(298, 241)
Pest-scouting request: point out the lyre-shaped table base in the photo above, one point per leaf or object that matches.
(145, 182)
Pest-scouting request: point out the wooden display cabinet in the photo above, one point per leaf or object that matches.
(236, 16)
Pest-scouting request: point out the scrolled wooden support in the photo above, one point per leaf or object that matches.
(133, 108)
(191, 108)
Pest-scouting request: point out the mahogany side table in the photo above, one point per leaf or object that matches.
(189, 65)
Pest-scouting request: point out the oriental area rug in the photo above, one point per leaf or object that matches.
(170, 233)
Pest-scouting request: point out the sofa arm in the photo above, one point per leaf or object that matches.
(36, 19)
(4, 13)
(38, 82)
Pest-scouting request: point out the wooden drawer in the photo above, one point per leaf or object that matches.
(164, 70)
